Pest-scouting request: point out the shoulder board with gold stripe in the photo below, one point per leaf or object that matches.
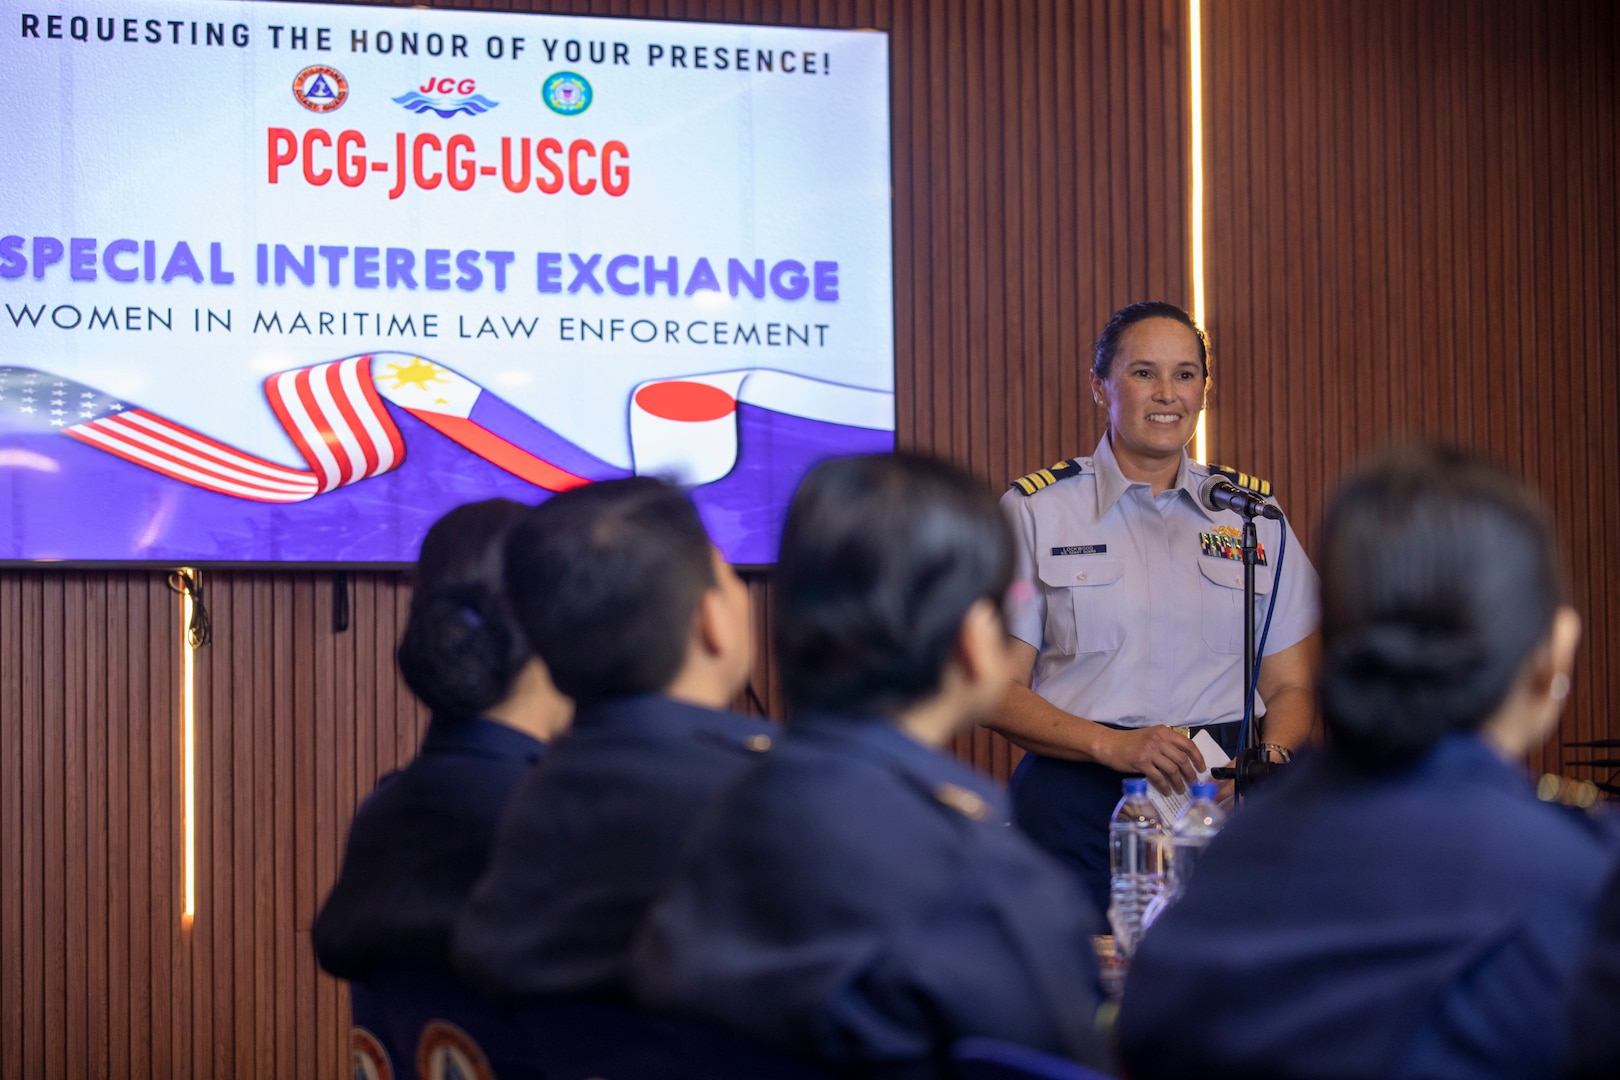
(967, 803)
(1243, 480)
(1043, 478)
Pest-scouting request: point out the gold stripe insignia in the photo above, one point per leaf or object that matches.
(963, 801)
(1243, 480)
(1030, 483)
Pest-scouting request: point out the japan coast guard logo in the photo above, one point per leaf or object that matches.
(320, 89)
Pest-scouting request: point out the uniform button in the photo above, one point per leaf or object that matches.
(1238, 580)
(1079, 577)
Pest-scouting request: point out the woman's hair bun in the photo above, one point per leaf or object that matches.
(1438, 580)
(461, 650)
(459, 653)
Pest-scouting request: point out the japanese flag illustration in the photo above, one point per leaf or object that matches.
(686, 428)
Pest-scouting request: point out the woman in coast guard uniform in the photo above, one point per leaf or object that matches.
(1127, 607)
(422, 838)
(1401, 904)
(857, 897)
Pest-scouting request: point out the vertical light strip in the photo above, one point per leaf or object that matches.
(188, 750)
(1195, 78)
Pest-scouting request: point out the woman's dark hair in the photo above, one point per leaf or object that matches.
(605, 580)
(461, 649)
(1107, 346)
(1439, 579)
(881, 559)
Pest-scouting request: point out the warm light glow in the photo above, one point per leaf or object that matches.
(1195, 77)
(188, 750)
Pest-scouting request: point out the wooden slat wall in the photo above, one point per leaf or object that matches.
(1038, 168)
(1424, 189)
(1415, 233)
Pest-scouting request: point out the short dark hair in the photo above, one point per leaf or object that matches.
(461, 650)
(1439, 578)
(1107, 346)
(881, 558)
(606, 580)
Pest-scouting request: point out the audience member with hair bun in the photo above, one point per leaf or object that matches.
(422, 838)
(1401, 904)
(858, 898)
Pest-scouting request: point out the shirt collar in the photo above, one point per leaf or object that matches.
(479, 737)
(875, 738)
(1112, 483)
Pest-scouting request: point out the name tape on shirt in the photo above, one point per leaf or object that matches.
(1081, 549)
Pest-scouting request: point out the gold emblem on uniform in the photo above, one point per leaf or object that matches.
(757, 743)
(963, 801)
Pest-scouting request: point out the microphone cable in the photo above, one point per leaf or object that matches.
(1265, 631)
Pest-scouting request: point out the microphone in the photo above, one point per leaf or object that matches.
(1219, 493)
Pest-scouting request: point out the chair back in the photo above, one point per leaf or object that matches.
(589, 1040)
(371, 1043)
(445, 1031)
(995, 1059)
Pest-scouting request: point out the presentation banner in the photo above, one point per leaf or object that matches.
(286, 282)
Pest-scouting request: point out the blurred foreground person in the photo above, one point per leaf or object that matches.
(858, 898)
(421, 840)
(646, 627)
(1400, 905)
(1594, 1002)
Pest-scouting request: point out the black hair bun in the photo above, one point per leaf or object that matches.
(459, 654)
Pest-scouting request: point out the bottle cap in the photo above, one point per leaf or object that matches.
(1204, 791)
(1136, 786)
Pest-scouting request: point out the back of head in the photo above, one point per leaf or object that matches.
(606, 580)
(461, 649)
(1439, 579)
(881, 559)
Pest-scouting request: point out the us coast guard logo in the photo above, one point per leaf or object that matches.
(566, 93)
(320, 89)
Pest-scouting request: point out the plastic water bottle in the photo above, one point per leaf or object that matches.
(1200, 820)
(1137, 853)
(1194, 829)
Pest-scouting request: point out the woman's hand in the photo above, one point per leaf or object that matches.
(1166, 757)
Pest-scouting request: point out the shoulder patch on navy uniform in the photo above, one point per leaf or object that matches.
(1030, 483)
(963, 801)
(1243, 480)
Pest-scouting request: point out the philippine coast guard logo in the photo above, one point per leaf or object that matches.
(566, 93)
(445, 1052)
(321, 89)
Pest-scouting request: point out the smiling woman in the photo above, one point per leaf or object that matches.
(1129, 617)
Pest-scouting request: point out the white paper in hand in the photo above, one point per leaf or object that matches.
(1170, 806)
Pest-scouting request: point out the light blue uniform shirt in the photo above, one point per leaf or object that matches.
(1135, 601)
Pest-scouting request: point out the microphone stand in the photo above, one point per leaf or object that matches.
(1251, 765)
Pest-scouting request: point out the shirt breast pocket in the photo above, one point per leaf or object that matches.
(1222, 599)
(1085, 603)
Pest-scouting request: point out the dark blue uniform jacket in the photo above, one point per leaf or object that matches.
(1595, 998)
(859, 898)
(590, 838)
(417, 845)
(1419, 924)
